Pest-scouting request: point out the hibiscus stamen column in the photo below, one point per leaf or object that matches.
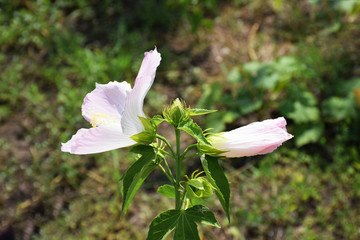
(178, 170)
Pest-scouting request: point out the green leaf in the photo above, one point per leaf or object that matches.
(196, 183)
(248, 102)
(217, 178)
(234, 76)
(336, 109)
(137, 173)
(202, 214)
(163, 224)
(167, 191)
(300, 105)
(200, 111)
(148, 135)
(194, 130)
(308, 133)
(211, 93)
(158, 119)
(183, 220)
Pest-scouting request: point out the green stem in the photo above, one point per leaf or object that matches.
(178, 170)
(188, 149)
(167, 144)
(168, 169)
(183, 198)
(192, 155)
(167, 175)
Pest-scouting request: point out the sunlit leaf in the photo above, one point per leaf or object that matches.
(193, 130)
(184, 221)
(308, 133)
(217, 178)
(137, 173)
(200, 111)
(167, 191)
(158, 119)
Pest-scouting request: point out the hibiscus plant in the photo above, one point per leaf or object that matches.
(115, 112)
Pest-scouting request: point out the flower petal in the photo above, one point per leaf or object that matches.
(106, 103)
(134, 106)
(253, 139)
(98, 139)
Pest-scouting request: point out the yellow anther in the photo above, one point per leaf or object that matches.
(99, 119)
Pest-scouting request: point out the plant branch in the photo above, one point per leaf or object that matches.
(188, 149)
(167, 175)
(167, 144)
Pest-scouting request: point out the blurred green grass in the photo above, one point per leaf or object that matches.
(252, 60)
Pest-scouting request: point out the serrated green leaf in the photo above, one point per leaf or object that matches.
(183, 220)
(202, 214)
(200, 111)
(194, 130)
(186, 229)
(163, 224)
(137, 173)
(167, 191)
(217, 178)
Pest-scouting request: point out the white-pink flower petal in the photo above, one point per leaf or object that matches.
(253, 139)
(98, 139)
(106, 102)
(134, 105)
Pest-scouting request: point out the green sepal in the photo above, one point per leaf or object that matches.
(217, 178)
(200, 111)
(158, 119)
(184, 221)
(197, 201)
(176, 113)
(167, 191)
(209, 149)
(137, 173)
(149, 133)
(198, 188)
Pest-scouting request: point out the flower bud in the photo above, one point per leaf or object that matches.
(199, 188)
(253, 139)
(176, 113)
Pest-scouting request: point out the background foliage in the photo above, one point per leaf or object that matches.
(252, 60)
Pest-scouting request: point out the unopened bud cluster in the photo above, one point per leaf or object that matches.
(176, 113)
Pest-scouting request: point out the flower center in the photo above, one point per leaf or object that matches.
(100, 119)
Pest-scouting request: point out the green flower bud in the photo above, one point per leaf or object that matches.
(176, 113)
(198, 188)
